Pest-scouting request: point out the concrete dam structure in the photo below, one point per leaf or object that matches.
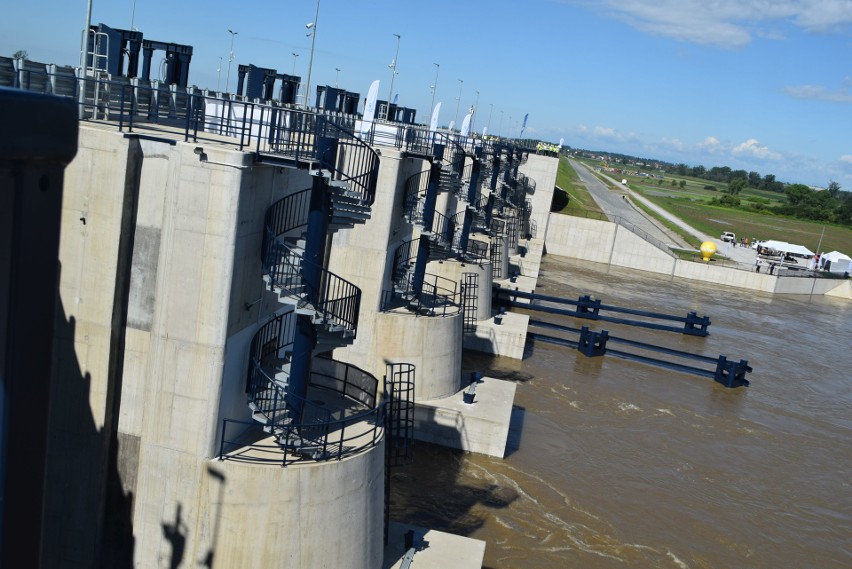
(259, 307)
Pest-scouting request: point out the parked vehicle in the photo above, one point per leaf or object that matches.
(729, 237)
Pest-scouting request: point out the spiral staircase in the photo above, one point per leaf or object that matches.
(314, 407)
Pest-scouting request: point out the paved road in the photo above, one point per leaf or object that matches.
(616, 203)
(613, 204)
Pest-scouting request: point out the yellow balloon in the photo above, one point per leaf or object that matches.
(708, 249)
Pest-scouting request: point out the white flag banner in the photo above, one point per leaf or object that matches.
(484, 131)
(433, 124)
(452, 125)
(370, 107)
(561, 142)
(465, 129)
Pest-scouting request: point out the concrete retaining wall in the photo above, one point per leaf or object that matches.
(606, 242)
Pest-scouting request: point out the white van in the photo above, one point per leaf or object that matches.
(729, 236)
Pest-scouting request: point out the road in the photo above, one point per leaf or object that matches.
(620, 203)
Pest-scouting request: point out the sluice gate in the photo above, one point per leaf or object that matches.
(590, 309)
(590, 343)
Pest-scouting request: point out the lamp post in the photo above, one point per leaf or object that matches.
(491, 112)
(336, 76)
(219, 75)
(458, 100)
(500, 130)
(434, 88)
(393, 73)
(230, 59)
(84, 58)
(295, 55)
(312, 31)
(475, 109)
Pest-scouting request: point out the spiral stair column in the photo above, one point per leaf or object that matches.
(319, 217)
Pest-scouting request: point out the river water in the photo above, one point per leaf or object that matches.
(614, 463)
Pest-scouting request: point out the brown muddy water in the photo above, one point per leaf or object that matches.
(613, 463)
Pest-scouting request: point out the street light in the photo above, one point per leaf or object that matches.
(434, 88)
(230, 59)
(500, 130)
(219, 75)
(458, 100)
(337, 69)
(312, 31)
(295, 55)
(393, 73)
(488, 126)
(475, 108)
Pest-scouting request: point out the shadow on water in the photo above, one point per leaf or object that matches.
(435, 492)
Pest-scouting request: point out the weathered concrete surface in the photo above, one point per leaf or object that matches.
(433, 549)
(162, 289)
(506, 339)
(481, 426)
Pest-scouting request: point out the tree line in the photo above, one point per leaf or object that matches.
(831, 205)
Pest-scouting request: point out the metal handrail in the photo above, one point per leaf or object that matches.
(346, 379)
(438, 295)
(335, 300)
(414, 194)
(356, 163)
(443, 230)
(269, 128)
(288, 214)
(318, 428)
(337, 442)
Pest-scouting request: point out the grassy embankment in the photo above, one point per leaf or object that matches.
(580, 202)
(691, 203)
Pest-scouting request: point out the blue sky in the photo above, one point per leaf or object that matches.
(759, 85)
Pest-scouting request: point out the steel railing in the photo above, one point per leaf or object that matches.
(335, 300)
(437, 295)
(320, 434)
(414, 194)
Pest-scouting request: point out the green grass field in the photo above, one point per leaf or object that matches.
(690, 203)
(580, 200)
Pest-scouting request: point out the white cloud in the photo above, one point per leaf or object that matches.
(752, 147)
(605, 132)
(819, 93)
(726, 23)
(711, 144)
(674, 143)
(846, 158)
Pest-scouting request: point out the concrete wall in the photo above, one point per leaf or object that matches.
(543, 170)
(161, 292)
(605, 242)
(455, 271)
(431, 343)
(364, 256)
(322, 515)
(98, 184)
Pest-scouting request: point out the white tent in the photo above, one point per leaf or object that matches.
(840, 263)
(783, 247)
